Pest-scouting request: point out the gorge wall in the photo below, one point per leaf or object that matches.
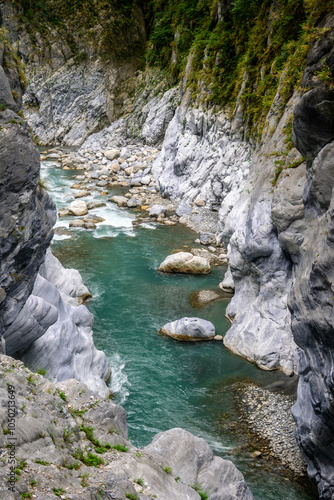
(262, 159)
(37, 323)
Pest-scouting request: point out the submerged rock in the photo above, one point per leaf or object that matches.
(186, 263)
(189, 329)
(201, 298)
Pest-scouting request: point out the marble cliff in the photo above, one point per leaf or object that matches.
(274, 205)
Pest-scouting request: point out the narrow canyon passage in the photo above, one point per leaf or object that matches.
(162, 383)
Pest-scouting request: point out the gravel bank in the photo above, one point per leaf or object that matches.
(268, 416)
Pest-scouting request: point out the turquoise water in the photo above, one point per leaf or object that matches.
(160, 382)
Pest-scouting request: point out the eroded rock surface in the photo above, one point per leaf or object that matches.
(192, 460)
(189, 329)
(69, 442)
(186, 263)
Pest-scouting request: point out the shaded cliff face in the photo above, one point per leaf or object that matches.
(27, 217)
(311, 298)
(38, 322)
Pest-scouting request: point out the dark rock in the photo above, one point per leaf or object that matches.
(313, 122)
(6, 98)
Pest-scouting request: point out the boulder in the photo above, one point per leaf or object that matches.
(78, 208)
(82, 194)
(132, 203)
(111, 154)
(120, 200)
(189, 329)
(158, 211)
(192, 461)
(95, 204)
(77, 223)
(186, 263)
(115, 167)
(146, 180)
(207, 238)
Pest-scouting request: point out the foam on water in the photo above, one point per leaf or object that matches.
(119, 381)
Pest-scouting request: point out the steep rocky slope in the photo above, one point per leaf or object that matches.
(61, 440)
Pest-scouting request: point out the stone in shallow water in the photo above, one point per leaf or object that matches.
(120, 200)
(189, 329)
(77, 223)
(78, 208)
(158, 210)
(185, 262)
(82, 194)
(95, 204)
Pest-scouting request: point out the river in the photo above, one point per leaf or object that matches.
(160, 382)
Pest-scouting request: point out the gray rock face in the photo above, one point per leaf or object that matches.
(68, 281)
(27, 215)
(35, 321)
(6, 97)
(65, 348)
(199, 159)
(189, 329)
(192, 460)
(311, 302)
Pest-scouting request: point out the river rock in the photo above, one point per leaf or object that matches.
(132, 203)
(189, 329)
(77, 223)
(93, 218)
(157, 211)
(82, 194)
(78, 208)
(111, 154)
(121, 201)
(186, 263)
(192, 460)
(146, 180)
(95, 204)
(207, 238)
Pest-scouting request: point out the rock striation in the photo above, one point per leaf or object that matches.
(311, 298)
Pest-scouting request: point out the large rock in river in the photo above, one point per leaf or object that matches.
(184, 262)
(189, 329)
(192, 460)
(78, 207)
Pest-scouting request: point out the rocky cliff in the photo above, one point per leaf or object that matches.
(36, 321)
(61, 440)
